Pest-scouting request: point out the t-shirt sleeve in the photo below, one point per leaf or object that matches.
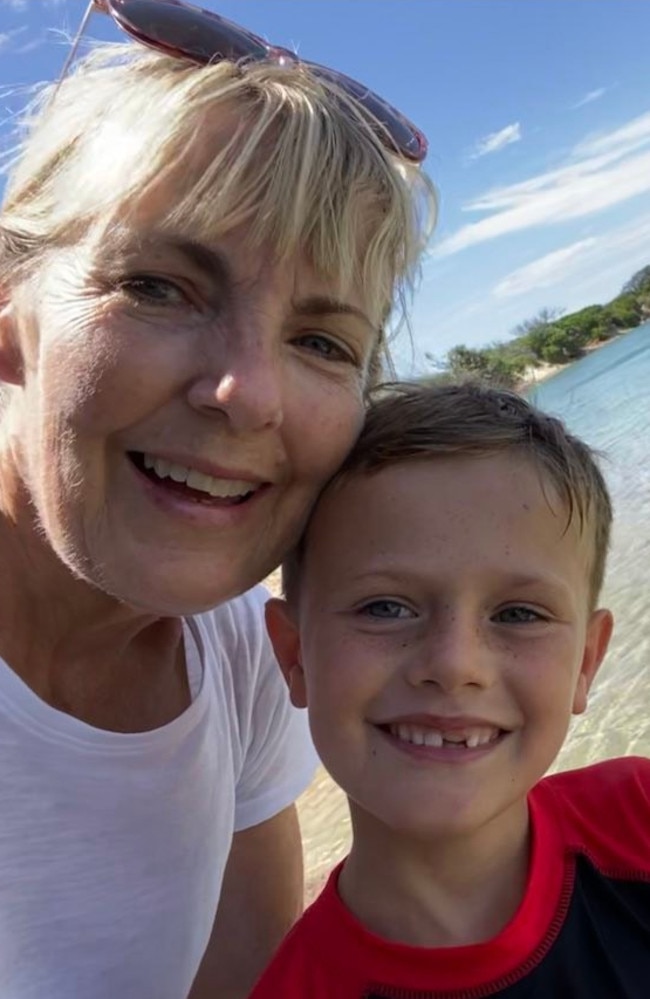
(605, 809)
(278, 759)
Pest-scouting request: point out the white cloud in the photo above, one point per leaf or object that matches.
(7, 37)
(544, 271)
(596, 274)
(591, 269)
(589, 97)
(22, 5)
(626, 139)
(497, 140)
(31, 45)
(602, 171)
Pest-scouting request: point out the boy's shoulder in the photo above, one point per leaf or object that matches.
(603, 811)
(586, 914)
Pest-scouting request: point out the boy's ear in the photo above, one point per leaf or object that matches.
(11, 361)
(285, 638)
(599, 632)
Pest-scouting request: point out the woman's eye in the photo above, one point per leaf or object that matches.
(155, 290)
(518, 615)
(325, 346)
(387, 610)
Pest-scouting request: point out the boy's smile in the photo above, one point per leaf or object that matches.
(449, 739)
(444, 639)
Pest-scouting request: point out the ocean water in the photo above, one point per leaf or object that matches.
(605, 399)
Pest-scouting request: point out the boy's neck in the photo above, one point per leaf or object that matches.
(443, 893)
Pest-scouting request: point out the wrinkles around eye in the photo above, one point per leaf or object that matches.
(154, 290)
(327, 347)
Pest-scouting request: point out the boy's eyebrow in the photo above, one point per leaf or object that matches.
(396, 573)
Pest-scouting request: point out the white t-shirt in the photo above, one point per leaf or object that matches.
(113, 846)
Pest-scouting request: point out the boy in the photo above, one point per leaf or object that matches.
(441, 624)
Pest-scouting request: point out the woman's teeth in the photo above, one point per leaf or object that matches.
(208, 484)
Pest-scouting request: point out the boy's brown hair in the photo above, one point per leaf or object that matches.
(415, 422)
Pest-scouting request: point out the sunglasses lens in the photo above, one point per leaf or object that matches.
(181, 29)
(408, 140)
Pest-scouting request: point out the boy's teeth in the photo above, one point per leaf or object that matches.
(222, 488)
(421, 735)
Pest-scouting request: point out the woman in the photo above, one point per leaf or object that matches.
(196, 265)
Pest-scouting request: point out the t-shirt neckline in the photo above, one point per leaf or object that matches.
(29, 710)
(500, 960)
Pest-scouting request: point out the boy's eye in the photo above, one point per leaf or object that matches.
(386, 610)
(518, 615)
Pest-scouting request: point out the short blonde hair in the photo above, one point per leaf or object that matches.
(418, 422)
(300, 166)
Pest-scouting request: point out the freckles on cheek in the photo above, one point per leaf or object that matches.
(336, 436)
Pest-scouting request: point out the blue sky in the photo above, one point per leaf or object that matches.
(538, 117)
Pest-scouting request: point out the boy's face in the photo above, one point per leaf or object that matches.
(443, 639)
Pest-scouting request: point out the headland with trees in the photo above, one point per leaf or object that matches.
(549, 340)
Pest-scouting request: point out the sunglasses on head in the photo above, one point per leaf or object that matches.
(187, 32)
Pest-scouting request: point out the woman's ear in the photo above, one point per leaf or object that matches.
(284, 633)
(11, 359)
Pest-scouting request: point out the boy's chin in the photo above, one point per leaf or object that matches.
(441, 823)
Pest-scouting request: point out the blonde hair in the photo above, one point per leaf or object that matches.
(422, 422)
(300, 166)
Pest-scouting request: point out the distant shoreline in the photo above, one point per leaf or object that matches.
(536, 374)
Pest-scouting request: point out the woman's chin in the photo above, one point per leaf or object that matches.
(169, 590)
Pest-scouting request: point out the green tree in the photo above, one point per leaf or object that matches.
(495, 365)
(639, 282)
(625, 311)
(533, 333)
(563, 344)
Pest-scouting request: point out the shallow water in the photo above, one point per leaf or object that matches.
(605, 398)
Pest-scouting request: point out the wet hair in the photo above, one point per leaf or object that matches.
(421, 422)
(271, 148)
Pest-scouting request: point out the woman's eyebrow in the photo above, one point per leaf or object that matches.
(209, 261)
(320, 305)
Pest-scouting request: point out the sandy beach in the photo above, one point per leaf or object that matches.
(535, 374)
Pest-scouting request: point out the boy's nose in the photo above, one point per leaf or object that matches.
(451, 656)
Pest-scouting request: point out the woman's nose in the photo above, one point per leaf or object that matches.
(245, 385)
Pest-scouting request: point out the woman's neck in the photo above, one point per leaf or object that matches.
(79, 649)
(448, 892)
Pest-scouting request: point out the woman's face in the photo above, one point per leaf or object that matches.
(177, 408)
